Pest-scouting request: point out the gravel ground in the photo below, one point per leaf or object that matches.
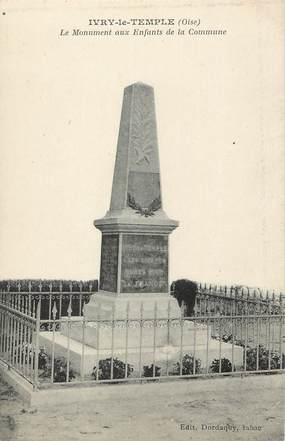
(204, 409)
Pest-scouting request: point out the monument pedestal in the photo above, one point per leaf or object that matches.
(108, 306)
(134, 267)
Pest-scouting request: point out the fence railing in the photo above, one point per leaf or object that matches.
(18, 337)
(26, 303)
(210, 299)
(213, 300)
(48, 285)
(69, 348)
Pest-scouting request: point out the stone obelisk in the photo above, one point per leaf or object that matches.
(134, 251)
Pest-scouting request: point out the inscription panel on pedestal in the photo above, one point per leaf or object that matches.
(144, 263)
(109, 262)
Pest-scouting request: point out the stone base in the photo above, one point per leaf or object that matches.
(167, 352)
(105, 336)
(135, 305)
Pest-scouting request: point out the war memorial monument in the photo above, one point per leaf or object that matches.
(141, 318)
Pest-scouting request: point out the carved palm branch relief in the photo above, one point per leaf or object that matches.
(142, 132)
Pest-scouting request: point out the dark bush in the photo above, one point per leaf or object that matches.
(263, 359)
(46, 285)
(4, 285)
(27, 354)
(119, 369)
(226, 365)
(148, 371)
(59, 371)
(14, 285)
(187, 366)
(185, 291)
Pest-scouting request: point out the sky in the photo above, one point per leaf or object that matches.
(220, 117)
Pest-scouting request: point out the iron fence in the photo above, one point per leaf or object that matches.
(18, 341)
(22, 317)
(27, 302)
(225, 300)
(48, 285)
(70, 349)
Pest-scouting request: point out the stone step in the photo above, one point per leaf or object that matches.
(83, 358)
(135, 336)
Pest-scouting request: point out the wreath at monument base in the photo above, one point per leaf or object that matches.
(149, 211)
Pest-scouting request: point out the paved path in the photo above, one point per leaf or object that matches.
(156, 412)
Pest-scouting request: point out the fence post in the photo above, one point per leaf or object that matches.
(36, 358)
(280, 330)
